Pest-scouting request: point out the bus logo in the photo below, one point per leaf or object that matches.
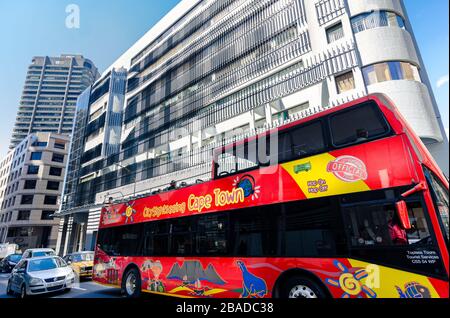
(348, 169)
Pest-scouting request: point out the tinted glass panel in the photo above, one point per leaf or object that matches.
(50, 199)
(313, 228)
(27, 199)
(123, 240)
(357, 125)
(212, 235)
(52, 185)
(255, 232)
(30, 184)
(33, 170)
(182, 237)
(36, 156)
(156, 239)
(55, 171)
(58, 158)
(441, 201)
(307, 140)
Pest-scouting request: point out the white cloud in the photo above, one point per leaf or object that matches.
(442, 81)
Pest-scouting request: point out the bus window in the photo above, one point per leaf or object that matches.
(161, 238)
(378, 225)
(181, 237)
(284, 147)
(312, 229)
(255, 232)
(108, 242)
(307, 140)
(149, 232)
(419, 232)
(441, 201)
(127, 239)
(211, 238)
(357, 125)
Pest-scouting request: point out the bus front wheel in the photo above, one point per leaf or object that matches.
(302, 287)
(131, 283)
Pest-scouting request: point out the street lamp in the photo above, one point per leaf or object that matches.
(129, 171)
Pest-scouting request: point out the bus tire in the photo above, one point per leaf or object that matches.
(301, 287)
(131, 283)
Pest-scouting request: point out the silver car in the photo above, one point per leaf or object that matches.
(38, 252)
(40, 275)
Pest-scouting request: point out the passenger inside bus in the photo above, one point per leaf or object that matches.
(368, 235)
(397, 233)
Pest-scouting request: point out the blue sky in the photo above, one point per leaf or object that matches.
(109, 27)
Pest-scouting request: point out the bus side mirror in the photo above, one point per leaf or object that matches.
(402, 213)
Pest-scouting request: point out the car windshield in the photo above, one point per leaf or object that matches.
(44, 264)
(43, 253)
(15, 258)
(83, 257)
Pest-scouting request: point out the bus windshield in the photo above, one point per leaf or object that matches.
(440, 198)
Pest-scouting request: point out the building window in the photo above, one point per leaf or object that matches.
(50, 200)
(390, 71)
(23, 215)
(58, 158)
(39, 144)
(376, 19)
(53, 185)
(55, 171)
(33, 170)
(27, 199)
(36, 156)
(47, 215)
(30, 184)
(345, 82)
(335, 33)
(59, 145)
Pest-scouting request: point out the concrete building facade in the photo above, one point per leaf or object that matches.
(211, 70)
(31, 182)
(51, 89)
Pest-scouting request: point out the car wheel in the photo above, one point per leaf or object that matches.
(8, 289)
(131, 284)
(23, 292)
(302, 287)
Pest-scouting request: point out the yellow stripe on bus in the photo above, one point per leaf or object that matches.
(390, 283)
(315, 181)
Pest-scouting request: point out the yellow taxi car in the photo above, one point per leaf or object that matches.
(81, 263)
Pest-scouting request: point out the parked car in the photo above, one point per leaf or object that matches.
(8, 249)
(38, 252)
(7, 264)
(81, 263)
(40, 275)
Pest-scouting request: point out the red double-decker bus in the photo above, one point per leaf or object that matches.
(354, 206)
